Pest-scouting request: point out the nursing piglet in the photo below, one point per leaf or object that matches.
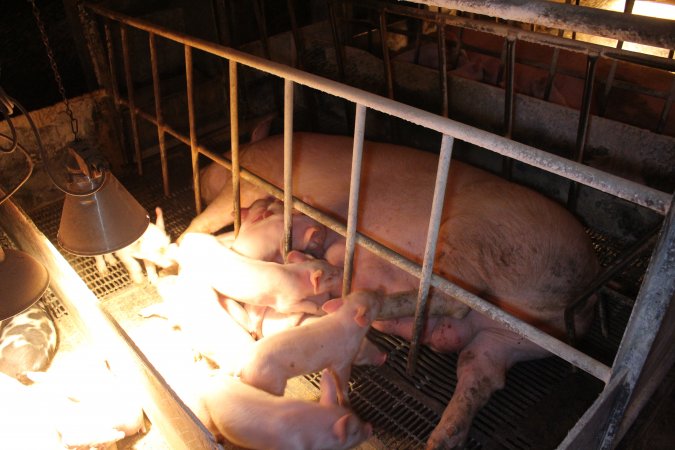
(331, 342)
(252, 418)
(301, 285)
(151, 248)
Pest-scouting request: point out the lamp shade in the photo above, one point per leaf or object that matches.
(23, 280)
(102, 222)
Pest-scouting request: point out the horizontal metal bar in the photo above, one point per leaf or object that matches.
(598, 22)
(625, 189)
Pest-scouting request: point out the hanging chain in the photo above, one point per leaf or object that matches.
(55, 69)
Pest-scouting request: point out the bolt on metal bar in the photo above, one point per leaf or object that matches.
(584, 118)
(194, 153)
(653, 299)
(234, 145)
(442, 174)
(354, 188)
(509, 97)
(111, 63)
(628, 190)
(130, 95)
(158, 113)
(288, 167)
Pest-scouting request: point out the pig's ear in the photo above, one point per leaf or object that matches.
(315, 278)
(332, 305)
(340, 428)
(262, 129)
(295, 256)
(360, 316)
(328, 389)
(160, 218)
(314, 237)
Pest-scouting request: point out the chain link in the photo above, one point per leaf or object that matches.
(55, 70)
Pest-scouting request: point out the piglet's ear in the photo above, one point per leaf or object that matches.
(315, 278)
(360, 316)
(160, 218)
(295, 256)
(332, 305)
(328, 389)
(340, 428)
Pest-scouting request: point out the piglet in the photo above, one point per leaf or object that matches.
(252, 418)
(151, 248)
(331, 341)
(301, 285)
(28, 342)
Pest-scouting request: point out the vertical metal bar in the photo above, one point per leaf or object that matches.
(388, 76)
(602, 106)
(584, 117)
(132, 103)
(234, 146)
(443, 67)
(666, 109)
(194, 153)
(551, 73)
(354, 187)
(262, 27)
(297, 35)
(288, 167)
(430, 249)
(509, 96)
(337, 42)
(653, 299)
(111, 64)
(158, 112)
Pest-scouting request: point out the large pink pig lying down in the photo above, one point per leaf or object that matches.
(511, 245)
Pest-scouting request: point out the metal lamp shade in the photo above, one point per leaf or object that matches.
(23, 280)
(103, 222)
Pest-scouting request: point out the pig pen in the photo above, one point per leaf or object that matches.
(549, 394)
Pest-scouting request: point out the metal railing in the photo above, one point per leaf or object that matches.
(653, 295)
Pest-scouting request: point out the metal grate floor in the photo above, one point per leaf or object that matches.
(540, 395)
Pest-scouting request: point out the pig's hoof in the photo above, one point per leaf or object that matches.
(448, 439)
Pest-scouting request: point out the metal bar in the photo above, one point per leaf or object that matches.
(192, 142)
(262, 27)
(628, 9)
(597, 22)
(297, 35)
(111, 63)
(509, 96)
(656, 293)
(234, 145)
(337, 42)
(388, 75)
(584, 118)
(288, 167)
(130, 95)
(628, 190)
(666, 109)
(442, 174)
(158, 113)
(443, 65)
(354, 188)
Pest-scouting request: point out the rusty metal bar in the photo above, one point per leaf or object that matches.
(158, 113)
(597, 22)
(388, 75)
(509, 97)
(584, 118)
(192, 142)
(130, 95)
(234, 145)
(288, 167)
(443, 72)
(442, 174)
(354, 188)
(628, 9)
(111, 63)
(628, 190)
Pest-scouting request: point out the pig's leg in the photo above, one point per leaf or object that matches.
(133, 266)
(100, 264)
(151, 271)
(481, 370)
(369, 354)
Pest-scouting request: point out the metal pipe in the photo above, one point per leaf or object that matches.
(597, 22)
(354, 188)
(509, 96)
(192, 142)
(234, 145)
(443, 65)
(442, 174)
(297, 35)
(158, 113)
(111, 63)
(584, 118)
(388, 75)
(288, 167)
(628, 190)
(130, 95)
(666, 109)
